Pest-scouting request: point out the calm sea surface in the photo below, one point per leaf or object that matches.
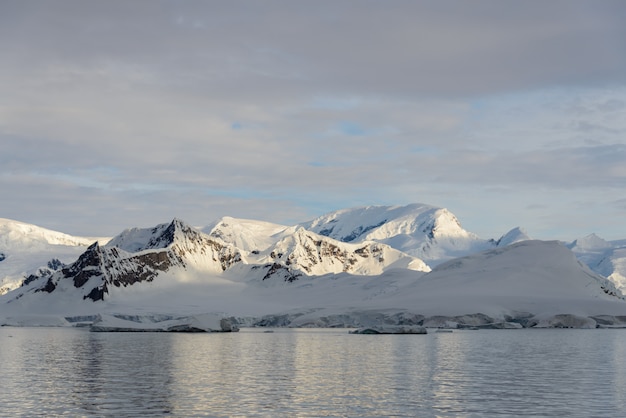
(73, 372)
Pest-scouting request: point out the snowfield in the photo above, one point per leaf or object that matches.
(374, 266)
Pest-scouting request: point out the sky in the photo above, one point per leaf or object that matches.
(119, 114)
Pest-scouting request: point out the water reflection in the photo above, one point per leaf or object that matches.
(126, 372)
(73, 372)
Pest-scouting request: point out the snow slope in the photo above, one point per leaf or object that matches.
(14, 234)
(531, 279)
(27, 249)
(539, 277)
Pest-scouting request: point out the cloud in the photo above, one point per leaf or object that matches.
(129, 112)
(411, 48)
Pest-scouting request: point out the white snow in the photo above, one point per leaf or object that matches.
(249, 235)
(423, 231)
(15, 234)
(335, 282)
(530, 276)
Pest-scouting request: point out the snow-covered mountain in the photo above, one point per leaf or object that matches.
(307, 252)
(185, 245)
(180, 253)
(361, 259)
(607, 258)
(430, 233)
(27, 249)
(136, 256)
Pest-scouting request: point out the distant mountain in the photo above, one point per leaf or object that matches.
(513, 236)
(430, 233)
(305, 251)
(14, 234)
(613, 267)
(249, 235)
(27, 249)
(603, 257)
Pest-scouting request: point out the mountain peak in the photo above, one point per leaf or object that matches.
(516, 234)
(424, 231)
(246, 234)
(160, 236)
(591, 242)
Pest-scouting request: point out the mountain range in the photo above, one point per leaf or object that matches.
(346, 268)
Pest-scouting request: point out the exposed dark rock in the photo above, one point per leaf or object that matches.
(48, 287)
(277, 269)
(55, 264)
(42, 273)
(97, 293)
(326, 231)
(357, 232)
(85, 267)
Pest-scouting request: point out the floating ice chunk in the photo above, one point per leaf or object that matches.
(194, 323)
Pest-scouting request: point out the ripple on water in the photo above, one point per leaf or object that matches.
(51, 372)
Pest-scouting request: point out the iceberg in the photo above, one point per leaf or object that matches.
(193, 323)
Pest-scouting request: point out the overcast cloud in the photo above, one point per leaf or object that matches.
(116, 114)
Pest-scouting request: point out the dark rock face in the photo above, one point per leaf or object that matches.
(42, 273)
(101, 266)
(55, 264)
(2, 256)
(85, 267)
(97, 293)
(48, 287)
(285, 272)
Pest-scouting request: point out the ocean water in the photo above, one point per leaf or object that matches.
(312, 373)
